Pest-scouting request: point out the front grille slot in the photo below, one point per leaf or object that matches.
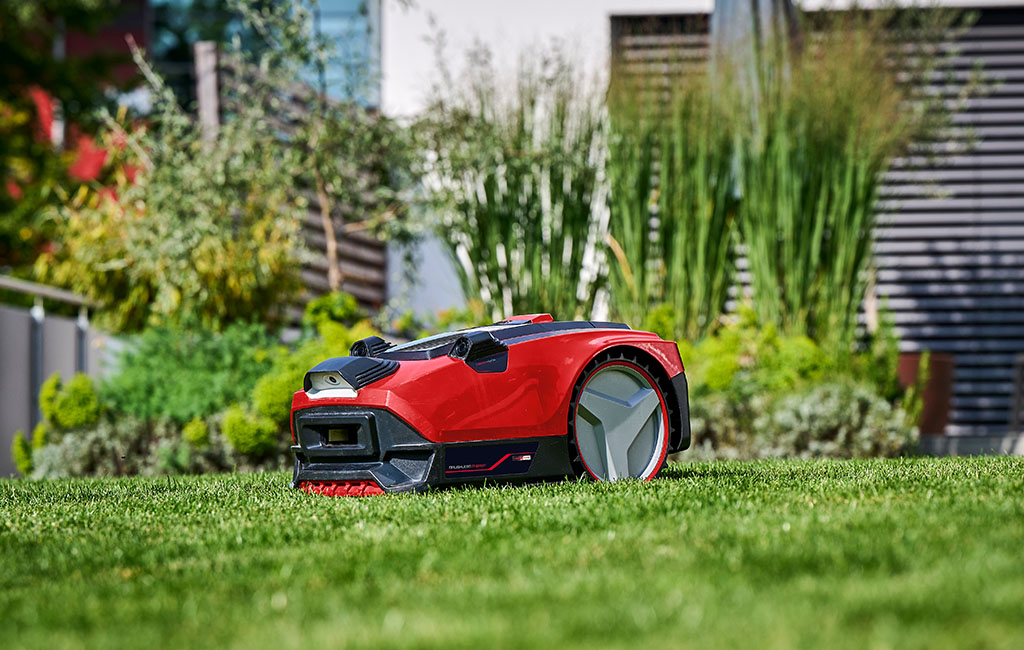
(347, 436)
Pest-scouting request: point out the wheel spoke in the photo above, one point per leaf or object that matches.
(616, 424)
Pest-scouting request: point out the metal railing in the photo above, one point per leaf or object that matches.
(37, 313)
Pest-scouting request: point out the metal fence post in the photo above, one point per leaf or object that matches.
(35, 351)
(82, 340)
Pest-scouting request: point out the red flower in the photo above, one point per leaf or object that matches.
(13, 190)
(44, 110)
(89, 160)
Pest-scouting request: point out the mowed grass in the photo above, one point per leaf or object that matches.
(914, 553)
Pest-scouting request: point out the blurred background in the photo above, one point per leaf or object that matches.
(201, 199)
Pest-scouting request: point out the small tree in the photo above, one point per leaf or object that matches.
(193, 230)
(358, 163)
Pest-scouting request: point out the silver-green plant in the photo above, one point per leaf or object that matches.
(516, 180)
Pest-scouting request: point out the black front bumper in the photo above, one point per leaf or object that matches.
(349, 443)
(680, 415)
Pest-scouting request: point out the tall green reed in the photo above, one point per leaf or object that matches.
(673, 203)
(812, 157)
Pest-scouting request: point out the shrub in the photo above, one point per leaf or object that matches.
(337, 306)
(837, 420)
(48, 395)
(40, 435)
(77, 404)
(150, 253)
(186, 374)
(251, 434)
(196, 433)
(108, 449)
(70, 405)
(662, 321)
(745, 356)
(129, 446)
(21, 452)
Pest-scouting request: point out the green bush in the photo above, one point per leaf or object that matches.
(251, 434)
(77, 403)
(662, 321)
(744, 356)
(337, 306)
(21, 452)
(756, 394)
(48, 395)
(836, 420)
(184, 374)
(69, 405)
(196, 433)
(40, 435)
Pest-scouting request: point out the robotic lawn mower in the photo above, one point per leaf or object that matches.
(526, 399)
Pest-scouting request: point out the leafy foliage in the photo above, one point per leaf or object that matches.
(837, 420)
(126, 445)
(69, 405)
(183, 374)
(33, 172)
(360, 164)
(196, 433)
(151, 254)
(748, 383)
(21, 452)
(251, 434)
(336, 306)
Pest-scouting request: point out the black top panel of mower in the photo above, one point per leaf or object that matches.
(507, 333)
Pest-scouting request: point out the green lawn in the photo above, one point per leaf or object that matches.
(917, 553)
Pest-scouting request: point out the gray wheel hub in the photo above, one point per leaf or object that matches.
(620, 426)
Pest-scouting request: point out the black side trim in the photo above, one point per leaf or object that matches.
(681, 417)
(371, 346)
(357, 371)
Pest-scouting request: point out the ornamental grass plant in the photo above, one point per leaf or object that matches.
(516, 178)
(826, 121)
(673, 203)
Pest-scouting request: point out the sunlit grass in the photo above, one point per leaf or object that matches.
(901, 553)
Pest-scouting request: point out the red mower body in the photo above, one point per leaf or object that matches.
(495, 402)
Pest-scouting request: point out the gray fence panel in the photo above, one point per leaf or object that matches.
(60, 354)
(14, 385)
